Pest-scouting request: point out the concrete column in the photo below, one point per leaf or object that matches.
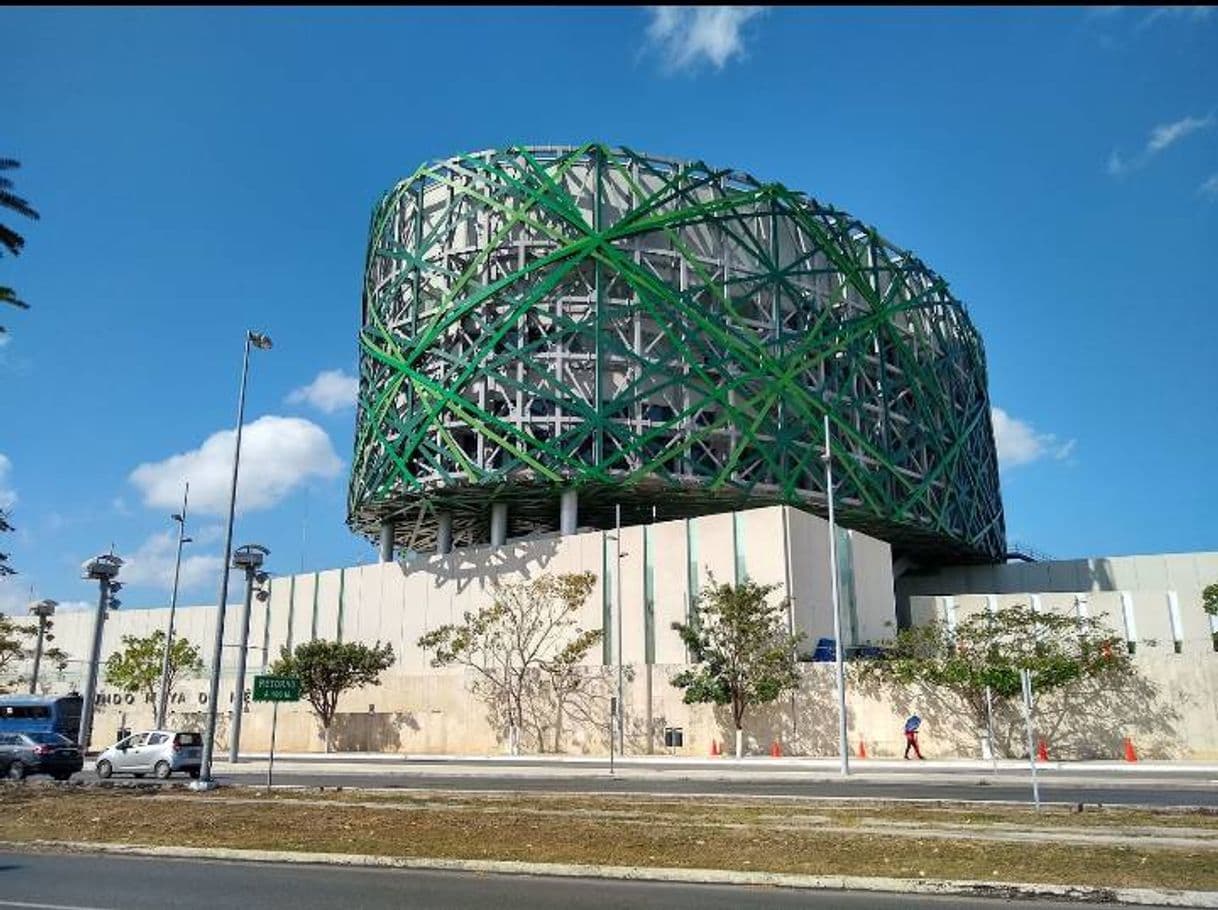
(499, 516)
(444, 532)
(569, 512)
(387, 528)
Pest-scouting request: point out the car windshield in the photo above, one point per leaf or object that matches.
(189, 739)
(50, 739)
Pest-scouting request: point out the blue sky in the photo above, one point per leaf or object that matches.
(201, 171)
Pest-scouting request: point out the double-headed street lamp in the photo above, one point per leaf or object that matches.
(162, 710)
(205, 782)
(44, 610)
(248, 558)
(104, 570)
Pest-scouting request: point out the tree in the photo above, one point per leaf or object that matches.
(1209, 603)
(9, 238)
(327, 669)
(5, 527)
(744, 653)
(17, 643)
(137, 667)
(529, 633)
(978, 662)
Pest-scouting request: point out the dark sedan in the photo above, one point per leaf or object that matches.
(39, 753)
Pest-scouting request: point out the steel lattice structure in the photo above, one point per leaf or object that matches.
(658, 333)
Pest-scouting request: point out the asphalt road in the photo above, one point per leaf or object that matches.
(1190, 791)
(92, 882)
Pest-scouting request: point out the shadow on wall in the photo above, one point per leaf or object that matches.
(484, 565)
(803, 723)
(379, 731)
(1087, 720)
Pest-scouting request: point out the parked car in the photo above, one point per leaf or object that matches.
(39, 753)
(157, 752)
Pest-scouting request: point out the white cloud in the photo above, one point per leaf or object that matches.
(1019, 443)
(152, 564)
(689, 35)
(1209, 188)
(1189, 13)
(332, 390)
(277, 455)
(1161, 138)
(8, 496)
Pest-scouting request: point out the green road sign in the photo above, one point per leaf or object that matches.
(276, 688)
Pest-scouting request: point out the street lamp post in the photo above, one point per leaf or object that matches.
(843, 745)
(248, 558)
(102, 569)
(162, 711)
(205, 781)
(44, 610)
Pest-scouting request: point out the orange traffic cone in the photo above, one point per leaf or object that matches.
(862, 748)
(776, 750)
(1042, 752)
(714, 747)
(1130, 754)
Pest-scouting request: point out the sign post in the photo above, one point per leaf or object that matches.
(275, 689)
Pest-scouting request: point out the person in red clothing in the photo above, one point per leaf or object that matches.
(911, 736)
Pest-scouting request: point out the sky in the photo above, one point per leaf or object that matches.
(201, 171)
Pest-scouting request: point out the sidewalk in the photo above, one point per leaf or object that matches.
(728, 763)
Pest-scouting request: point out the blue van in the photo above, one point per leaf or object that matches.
(41, 714)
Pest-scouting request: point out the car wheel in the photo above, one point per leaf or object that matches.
(194, 773)
(16, 771)
(104, 769)
(162, 770)
(62, 775)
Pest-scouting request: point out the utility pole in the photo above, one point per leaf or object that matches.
(162, 710)
(843, 744)
(205, 781)
(249, 558)
(104, 570)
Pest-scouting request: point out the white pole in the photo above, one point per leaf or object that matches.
(1025, 677)
(843, 745)
(270, 768)
(162, 711)
(621, 703)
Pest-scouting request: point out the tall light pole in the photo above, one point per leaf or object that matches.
(44, 610)
(205, 781)
(248, 558)
(162, 710)
(843, 745)
(102, 569)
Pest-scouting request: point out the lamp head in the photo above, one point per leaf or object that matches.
(259, 340)
(43, 608)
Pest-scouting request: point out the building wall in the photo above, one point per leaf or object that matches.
(663, 566)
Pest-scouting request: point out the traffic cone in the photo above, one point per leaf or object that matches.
(714, 747)
(862, 748)
(776, 750)
(1042, 752)
(1130, 754)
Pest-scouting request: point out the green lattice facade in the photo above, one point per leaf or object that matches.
(662, 335)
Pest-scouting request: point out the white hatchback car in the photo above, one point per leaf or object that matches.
(157, 752)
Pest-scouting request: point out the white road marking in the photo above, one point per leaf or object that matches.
(4, 903)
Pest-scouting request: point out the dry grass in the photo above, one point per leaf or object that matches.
(798, 837)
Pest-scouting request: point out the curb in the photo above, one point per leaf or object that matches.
(1081, 893)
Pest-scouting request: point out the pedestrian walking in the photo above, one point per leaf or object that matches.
(911, 736)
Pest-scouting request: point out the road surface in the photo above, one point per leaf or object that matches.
(92, 882)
